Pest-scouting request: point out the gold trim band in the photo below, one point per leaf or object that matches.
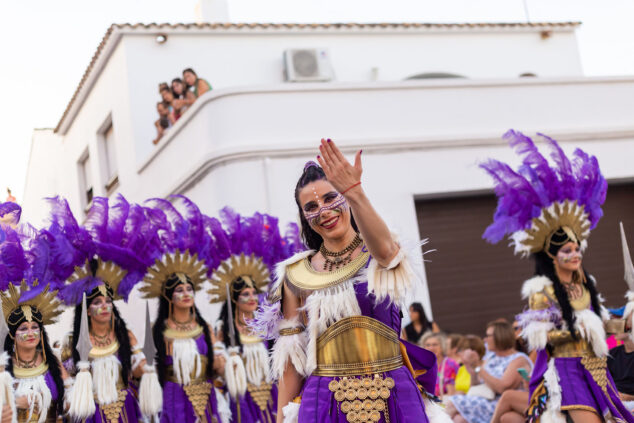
(170, 333)
(579, 348)
(22, 373)
(302, 276)
(291, 331)
(356, 346)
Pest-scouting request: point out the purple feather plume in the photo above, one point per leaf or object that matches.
(523, 194)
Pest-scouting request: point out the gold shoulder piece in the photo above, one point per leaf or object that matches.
(29, 373)
(302, 276)
(539, 301)
(175, 334)
(98, 352)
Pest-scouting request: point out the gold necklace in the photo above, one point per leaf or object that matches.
(182, 326)
(338, 260)
(102, 340)
(26, 364)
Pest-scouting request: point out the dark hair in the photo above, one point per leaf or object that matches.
(312, 172)
(159, 327)
(544, 266)
(51, 359)
(422, 318)
(190, 70)
(503, 335)
(165, 88)
(180, 81)
(237, 286)
(120, 332)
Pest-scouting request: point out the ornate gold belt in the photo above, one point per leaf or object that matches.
(580, 348)
(357, 346)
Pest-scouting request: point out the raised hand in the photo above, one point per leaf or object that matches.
(339, 172)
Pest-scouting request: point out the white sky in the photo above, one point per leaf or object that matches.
(46, 45)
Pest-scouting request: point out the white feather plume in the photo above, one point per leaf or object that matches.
(291, 412)
(235, 375)
(292, 347)
(223, 407)
(186, 360)
(256, 359)
(552, 414)
(590, 326)
(536, 334)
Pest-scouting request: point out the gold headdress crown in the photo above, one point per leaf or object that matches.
(568, 215)
(178, 263)
(45, 302)
(251, 269)
(110, 273)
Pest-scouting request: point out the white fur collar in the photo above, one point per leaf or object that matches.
(280, 273)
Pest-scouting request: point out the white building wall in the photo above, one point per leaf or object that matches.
(229, 60)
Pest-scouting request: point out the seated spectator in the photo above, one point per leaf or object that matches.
(453, 341)
(183, 98)
(621, 366)
(467, 344)
(511, 408)
(196, 85)
(164, 122)
(447, 368)
(419, 324)
(489, 379)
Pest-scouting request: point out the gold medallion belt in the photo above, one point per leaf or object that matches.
(364, 347)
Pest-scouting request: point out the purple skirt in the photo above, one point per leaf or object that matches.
(405, 404)
(251, 412)
(130, 412)
(178, 409)
(579, 390)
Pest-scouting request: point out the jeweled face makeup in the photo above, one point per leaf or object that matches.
(569, 256)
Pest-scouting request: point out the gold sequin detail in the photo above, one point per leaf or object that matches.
(112, 411)
(261, 394)
(598, 368)
(362, 400)
(198, 394)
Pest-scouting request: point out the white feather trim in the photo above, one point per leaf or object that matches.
(292, 347)
(37, 393)
(435, 413)
(590, 326)
(235, 375)
(223, 407)
(280, 268)
(256, 360)
(6, 387)
(535, 285)
(291, 412)
(105, 374)
(150, 392)
(220, 348)
(186, 360)
(552, 414)
(136, 359)
(629, 307)
(536, 334)
(325, 307)
(81, 398)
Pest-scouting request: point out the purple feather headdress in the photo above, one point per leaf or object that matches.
(10, 213)
(247, 247)
(185, 244)
(111, 251)
(538, 198)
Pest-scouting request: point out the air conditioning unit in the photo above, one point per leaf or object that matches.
(306, 65)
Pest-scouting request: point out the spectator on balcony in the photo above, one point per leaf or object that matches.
(164, 122)
(196, 85)
(419, 324)
(183, 98)
(10, 197)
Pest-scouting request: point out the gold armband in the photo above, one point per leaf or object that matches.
(291, 331)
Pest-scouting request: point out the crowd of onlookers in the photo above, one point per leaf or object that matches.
(486, 379)
(176, 98)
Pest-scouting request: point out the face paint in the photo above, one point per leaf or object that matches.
(567, 257)
(183, 296)
(338, 205)
(97, 309)
(246, 298)
(25, 334)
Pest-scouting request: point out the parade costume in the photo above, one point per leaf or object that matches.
(103, 259)
(185, 356)
(345, 341)
(544, 207)
(249, 247)
(28, 301)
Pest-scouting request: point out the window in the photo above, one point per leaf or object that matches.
(108, 155)
(85, 180)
